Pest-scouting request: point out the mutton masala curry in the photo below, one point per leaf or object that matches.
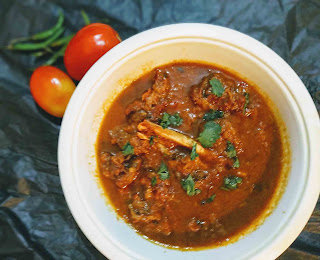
(190, 154)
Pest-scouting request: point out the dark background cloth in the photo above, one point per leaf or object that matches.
(35, 222)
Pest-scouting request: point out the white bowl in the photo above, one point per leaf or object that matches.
(196, 42)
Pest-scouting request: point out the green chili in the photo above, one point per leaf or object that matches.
(37, 46)
(39, 53)
(62, 41)
(56, 55)
(85, 17)
(46, 34)
(42, 35)
(48, 49)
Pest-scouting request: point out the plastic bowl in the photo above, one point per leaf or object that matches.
(195, 42)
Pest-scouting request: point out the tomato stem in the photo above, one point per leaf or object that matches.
(85, 17)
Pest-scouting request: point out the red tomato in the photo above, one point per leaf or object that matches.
(87, 46)
(51, 88)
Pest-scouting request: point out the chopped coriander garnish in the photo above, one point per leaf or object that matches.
(232, 153)
(153, 181)
(194, 153)
(211, 198)
(163, 172)
(231, 182)
(188, 186)
(151, 140)
(212, 115)
(208, 200)
(246, 94)
(210, 134)
(175, 120)
(236, 163)
(127, 149)
(167, 120)
(216, 87)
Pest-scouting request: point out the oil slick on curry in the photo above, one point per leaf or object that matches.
(191, 155)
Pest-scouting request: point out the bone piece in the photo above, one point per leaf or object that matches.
(176, 137)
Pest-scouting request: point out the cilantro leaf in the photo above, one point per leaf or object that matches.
(232, 153)
(153, 181)
(194, 153)
(175, 120)
(246, 94)
(163, 172)
(208, 200)
(151, 140)
(210, 134)
(231, 182)
(188, 186)
(167, 120)
(127, 149)
(216, 87)
(236, 163)
(212, 115)
(211, 198)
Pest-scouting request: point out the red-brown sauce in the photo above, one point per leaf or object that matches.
(166, 207)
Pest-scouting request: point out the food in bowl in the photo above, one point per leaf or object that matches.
(191, 155)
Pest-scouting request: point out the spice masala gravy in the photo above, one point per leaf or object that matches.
(190, 155)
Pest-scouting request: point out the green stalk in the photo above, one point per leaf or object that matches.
(39, 45)
(56, 55)
(46, 34)
(42, 35)
(62, 41)
(85, 17)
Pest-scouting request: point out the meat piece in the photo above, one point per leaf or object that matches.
(140, 146)
(129, 175)
(114, 167)
(119, 136)
(152, 101)
(232, 99)
(137, 116)
(158, 92)
(139, 207)
(150, 215)
(149, 207)
(135, 106)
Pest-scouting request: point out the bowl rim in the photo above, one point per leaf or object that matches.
(312, 123)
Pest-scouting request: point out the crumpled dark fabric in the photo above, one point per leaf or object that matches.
(35, 222)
